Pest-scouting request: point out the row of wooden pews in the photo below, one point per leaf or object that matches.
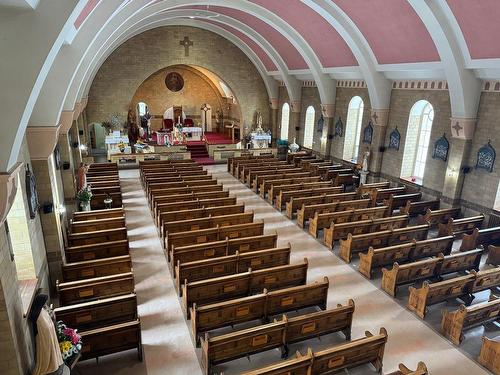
(393, 227)
(105, 184)
(311, 181)
(96, 294)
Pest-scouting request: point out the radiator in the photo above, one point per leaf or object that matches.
(494, 219)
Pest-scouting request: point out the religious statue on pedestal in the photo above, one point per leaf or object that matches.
(366, 160)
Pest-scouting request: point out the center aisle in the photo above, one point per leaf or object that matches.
(410, 340)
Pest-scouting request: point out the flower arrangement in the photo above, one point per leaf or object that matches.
(70, 342)
(85, 194)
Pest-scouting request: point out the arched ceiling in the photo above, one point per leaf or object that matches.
(58, 45)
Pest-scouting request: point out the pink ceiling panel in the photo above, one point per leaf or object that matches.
(263, 56)
(287, 51)
(479, 22)
(328, 45)
(87, 9)
(394, 31)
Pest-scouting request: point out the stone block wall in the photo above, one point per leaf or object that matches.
(310, 97)
(138, 58)
(480, 187)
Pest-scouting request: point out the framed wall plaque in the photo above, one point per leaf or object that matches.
(33, 204)
(368, 133)
(486, 157)
(57, 157)
(441, 148)
(174, 81)
(394, 139)
(320, 124)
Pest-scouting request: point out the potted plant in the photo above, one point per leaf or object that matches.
(84, 196)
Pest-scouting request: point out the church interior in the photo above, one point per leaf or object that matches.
(259, 187)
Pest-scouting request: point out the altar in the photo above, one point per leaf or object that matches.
(260, 140)
(192, 133)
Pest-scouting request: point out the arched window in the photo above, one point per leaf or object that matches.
(285, 120)
(353, 129)
(418, 135)
(496, 205)
(309, 127)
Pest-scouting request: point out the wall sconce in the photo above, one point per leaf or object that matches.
(83, 147)
(61, 210)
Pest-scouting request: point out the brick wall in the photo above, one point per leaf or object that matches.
(141, 56)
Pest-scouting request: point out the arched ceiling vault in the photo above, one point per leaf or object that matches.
(64, 43)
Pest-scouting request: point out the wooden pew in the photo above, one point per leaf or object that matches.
(264, 167)
(346, 180)
(361, 242)
(438, 216)
(98, 236)
(196, 213)
(213, 234)
(150, 186)
(420, 207)
(307, 206)
(396, 201)
(342, 201)
(403, 253)
(176, 198)
(253, 174)
(429, 268)
(260, 306)
(321, 170)
(153, 193)
(493, 255)
(266, 185)
(324, 220)
(72, 292)
(231, 162)
(455, 322)
(261, 182)
(208, 250)
(96, 268)
(98, 214)
(98, 250)
(285, 196)
(230, 264)
(99, 224)
(340, 231)
(378, 195)
(278, 334)
(100, 313)
(365, 189)
(243, 284)
(403, 370)
(189, 201)
(489, 356)
(101, 184)
(97, 201)
(275, 189)
(462, 287)
(484, 237)
(119, 337)
(456, 227)
(205, 223)
(332, 173)
(239, 171)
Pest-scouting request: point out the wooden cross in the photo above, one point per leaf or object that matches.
(375, 117)
(186, 43)
(457, 127)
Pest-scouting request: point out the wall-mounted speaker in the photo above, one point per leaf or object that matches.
(47, 208)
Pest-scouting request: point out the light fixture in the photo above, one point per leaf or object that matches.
(83, 147)
(192, 17)
(61, 209)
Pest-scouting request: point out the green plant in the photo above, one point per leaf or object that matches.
(85, 194)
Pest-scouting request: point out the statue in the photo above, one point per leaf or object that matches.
(294, 147)
(366, 156)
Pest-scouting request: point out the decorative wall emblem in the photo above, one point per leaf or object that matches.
(486, 157)
(174, 81)
(441, 148)
(320, 124)
(32, 194)
(395, 139)
(339, 126)
(368, 133)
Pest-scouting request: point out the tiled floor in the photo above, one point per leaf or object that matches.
(168, 347)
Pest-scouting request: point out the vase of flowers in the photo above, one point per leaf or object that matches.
(84, 196)
(70, 342)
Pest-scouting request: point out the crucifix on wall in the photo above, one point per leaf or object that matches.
(205, 108)
(186, 43)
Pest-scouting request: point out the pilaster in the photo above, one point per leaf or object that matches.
(462, 131)
(273, 103)
(294, 124)
(328, 111)
(379, 120)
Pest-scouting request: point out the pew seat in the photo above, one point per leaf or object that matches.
(306, 207)
(96, 268)
(99, 250)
